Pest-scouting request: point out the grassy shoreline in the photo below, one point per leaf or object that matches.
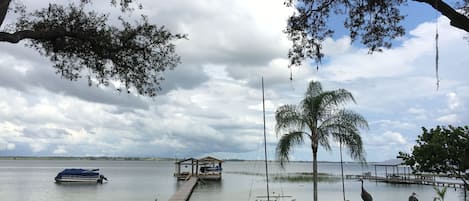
(293, 177)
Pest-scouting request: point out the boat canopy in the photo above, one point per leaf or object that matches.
(81, 172)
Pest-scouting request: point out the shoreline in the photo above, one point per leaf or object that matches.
(124, 158)
(103, 158)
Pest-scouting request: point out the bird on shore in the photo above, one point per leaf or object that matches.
(412, 197)
(365, 195)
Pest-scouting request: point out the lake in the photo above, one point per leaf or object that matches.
(33, 180)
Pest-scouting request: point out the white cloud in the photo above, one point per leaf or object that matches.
(5, 145)
(449, 119)
(453, 101)
(77, 136)
(38, 146)
(60, 150)
(8, 129)
(337, 47)
(388, 138)
(393, 124)
(418, 113)
(212, 101)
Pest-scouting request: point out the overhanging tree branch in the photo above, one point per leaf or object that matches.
(457, 19)
(83, 43)
(3, 10)
(37, 35)
(375, 23)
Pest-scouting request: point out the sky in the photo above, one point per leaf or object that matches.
(211, 104)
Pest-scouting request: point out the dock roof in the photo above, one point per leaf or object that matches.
(210, 158)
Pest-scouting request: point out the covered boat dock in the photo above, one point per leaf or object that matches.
(204, 168)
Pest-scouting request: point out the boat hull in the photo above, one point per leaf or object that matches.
(77, 179)
(80, 175)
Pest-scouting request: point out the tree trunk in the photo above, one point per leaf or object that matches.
(457, 19)
(315, 174)
(314, 147)
(342, 169)
(4, 4)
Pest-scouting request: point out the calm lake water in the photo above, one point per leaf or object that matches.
(33, 180)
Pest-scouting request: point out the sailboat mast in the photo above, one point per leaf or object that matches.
(265, 143)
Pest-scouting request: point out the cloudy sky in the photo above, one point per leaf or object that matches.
(211, 104)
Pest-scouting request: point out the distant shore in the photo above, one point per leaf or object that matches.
(83, 158)
(124, 158)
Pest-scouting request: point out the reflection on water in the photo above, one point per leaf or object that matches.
(24, 180)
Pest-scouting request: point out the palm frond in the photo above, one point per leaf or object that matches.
(314, 89)
(321, 112)
(323, 139)
(331, 100)
(325, 103)
(342, 96)
(344, 126)
(286, 144)
(312, 108)
(343, 119)
(352, 118)
(354, 144)
(288, 119)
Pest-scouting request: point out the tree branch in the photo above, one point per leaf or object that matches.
(48, 35)
(28, 34)
(3, 10)
(457, 19)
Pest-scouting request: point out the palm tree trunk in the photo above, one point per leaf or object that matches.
(342, 169)
(315, 175)
(314, 147)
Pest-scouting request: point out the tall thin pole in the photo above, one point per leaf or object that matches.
(265, 143)
(342, 168)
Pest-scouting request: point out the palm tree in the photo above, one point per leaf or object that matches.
(319, 117)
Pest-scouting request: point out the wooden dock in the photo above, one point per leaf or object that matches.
(184, 193)
(408, 180)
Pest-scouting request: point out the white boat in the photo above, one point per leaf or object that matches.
(80, 175)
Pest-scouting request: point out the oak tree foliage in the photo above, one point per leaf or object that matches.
(82, 42)
(375, 23)
(441, 150)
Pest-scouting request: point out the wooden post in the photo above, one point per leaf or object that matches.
(386, 171)
(405, 175)
(197, 168)
(376, 175)
(192, 166)
(397, 167)
(178, 168)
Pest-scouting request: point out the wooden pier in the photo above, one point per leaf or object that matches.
(408, 180)
(184, 193)
(405, 176)
(445, 183)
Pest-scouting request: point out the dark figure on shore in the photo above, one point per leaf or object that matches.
(365, 195)
(412, 197)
